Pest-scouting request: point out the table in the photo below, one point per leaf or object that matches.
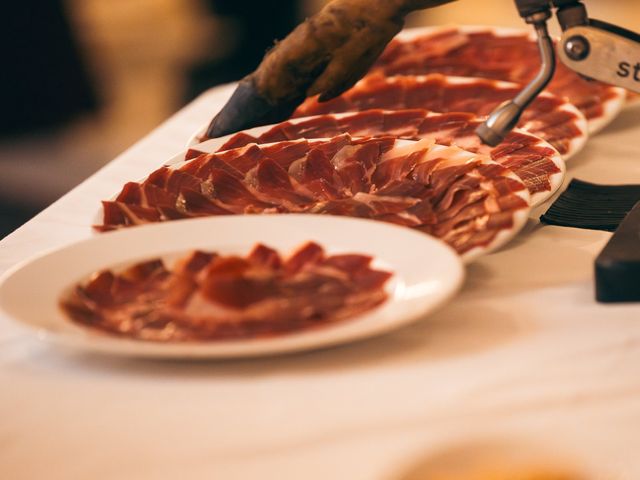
(524, 352)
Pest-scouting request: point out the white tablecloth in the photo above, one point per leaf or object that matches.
(523, 352)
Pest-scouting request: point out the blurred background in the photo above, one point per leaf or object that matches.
(84, 79)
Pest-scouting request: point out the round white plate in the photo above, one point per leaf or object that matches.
(426, 274)
(538, 198)
(576, 144)
(492, 457)
(504, 236)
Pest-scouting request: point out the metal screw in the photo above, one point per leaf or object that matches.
(577, 48)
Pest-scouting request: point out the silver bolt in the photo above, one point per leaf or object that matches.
(577, 48)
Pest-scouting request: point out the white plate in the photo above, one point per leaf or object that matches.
(576, 144)
(427, 273)
(538, 198)
(611, 107)
(504, 236)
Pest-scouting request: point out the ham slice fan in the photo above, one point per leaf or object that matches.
(549, 117)
(497, 53)
(206, 297)
(466, 199)
(532, 159)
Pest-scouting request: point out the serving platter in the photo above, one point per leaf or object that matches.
(426, 274)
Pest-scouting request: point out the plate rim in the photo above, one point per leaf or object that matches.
(83, 339)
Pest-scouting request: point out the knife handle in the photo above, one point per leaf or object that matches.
(617, 268)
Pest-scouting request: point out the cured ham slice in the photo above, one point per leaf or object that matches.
(549, 117)
(204, 296)
(535, 161)
(464, 198)
(501, 54)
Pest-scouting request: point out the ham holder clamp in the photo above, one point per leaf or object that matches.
(592, 48)
(601, 51)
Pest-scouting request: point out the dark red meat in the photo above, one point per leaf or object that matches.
(446, 191)
(548, 117)
(529, 158)
(208, 297)
(511, 57)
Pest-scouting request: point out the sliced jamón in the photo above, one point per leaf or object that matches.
(535, 161)
(501, 54)
(464, 198)
(549, 117)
